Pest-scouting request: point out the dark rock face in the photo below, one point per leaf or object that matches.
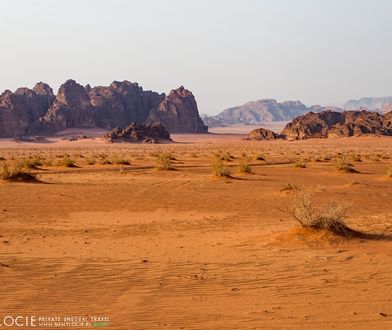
(337, 124)
(138, 133)
(122, 103)
(71, 108)
(20, 111)
(178, 113)
(38, 111)
(262, 134)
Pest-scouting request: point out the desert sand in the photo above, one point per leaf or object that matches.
(182, 249)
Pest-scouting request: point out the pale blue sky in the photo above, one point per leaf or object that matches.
(227, 52)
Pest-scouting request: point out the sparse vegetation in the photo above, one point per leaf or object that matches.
(389, 171)
(121, 161)
(356, 157)
(91, 161)
(17, 173)
(300, 164)
(245, 168)
(342, 165)
(219, 168)
(164, 161)
(290, 187)
(67, 162)
(330, 218)
(259, 156)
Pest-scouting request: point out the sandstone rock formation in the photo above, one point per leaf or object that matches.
(38, 111)
(338, 124)
(263, 134)
(178, 113)
(138, 133)
(20, 111)
(71, 108)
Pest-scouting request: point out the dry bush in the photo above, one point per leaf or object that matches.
(164, 161)
(17, 173)
(244, 168)
(121, 161)
(259, 156)
(330, 218)
(356, 157)
(67, 162)
(389, 171)
(290, 187)
(219, 168)
(342, 165)
(31, 164)
(300, 164)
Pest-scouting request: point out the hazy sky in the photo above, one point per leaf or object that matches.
(227, 52)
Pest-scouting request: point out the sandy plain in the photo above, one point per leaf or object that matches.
(182, 249)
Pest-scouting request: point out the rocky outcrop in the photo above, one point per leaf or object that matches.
(263, 134)
(38, 111)
(338, 124)
(138, 133)
(71, 108)
(20, 111)
(178, 113)
(122, 103)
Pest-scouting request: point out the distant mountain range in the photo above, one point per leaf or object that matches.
(370, 103)
(269, 110)
(261, 111)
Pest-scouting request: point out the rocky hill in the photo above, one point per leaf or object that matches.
(370, 103)
(262, 111)
(338, 124)
(139, 133)
(39, 111)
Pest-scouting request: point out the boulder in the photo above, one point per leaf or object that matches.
(262, 134)
(139, 133)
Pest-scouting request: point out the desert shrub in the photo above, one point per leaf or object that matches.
(244, 168)
(356, 157)
(219, 168)
(259, 156)
(342, 165)
(91, 161)
(164, 161)
(121, 161)
(67, 162)
(227, 157)
(17, 173)
(389, 171)
(300, 164)
(31, 163)
(105, 161)
(2, 159)
(290, 187)
(330, 218)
